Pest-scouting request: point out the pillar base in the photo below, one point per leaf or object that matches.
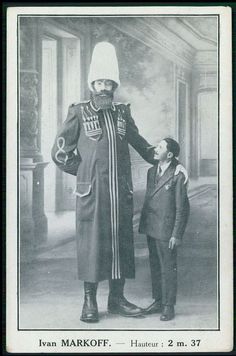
(33, 221)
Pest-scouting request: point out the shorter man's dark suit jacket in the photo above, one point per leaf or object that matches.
(166, 207)
(165, 214)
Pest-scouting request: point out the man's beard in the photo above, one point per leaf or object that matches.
(102, 99)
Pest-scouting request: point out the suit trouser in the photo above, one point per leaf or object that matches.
(163, 264)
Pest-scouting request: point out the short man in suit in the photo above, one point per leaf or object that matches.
(164, 217)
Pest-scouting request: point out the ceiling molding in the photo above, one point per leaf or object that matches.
(197, 33)
(188, 34)
(156, 37)
(56, 30)
(184, 45)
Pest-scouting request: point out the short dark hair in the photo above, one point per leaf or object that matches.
(172, 146)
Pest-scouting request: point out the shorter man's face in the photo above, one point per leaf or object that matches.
(161, 152)
(103, 85)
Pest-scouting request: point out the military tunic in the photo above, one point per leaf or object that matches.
(93, 145)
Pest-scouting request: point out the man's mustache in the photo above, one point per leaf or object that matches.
(104, 93)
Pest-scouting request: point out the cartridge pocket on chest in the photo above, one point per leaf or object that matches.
(92, 127)
(121, 126)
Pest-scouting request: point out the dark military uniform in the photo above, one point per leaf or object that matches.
(93, 144)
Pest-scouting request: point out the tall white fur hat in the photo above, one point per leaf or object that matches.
(104, 64)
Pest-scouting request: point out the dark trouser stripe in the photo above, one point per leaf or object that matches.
(113, 190)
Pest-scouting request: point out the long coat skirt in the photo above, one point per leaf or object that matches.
(93, 145)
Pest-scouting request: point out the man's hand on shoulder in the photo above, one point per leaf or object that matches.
(180, 168)
(173, 242)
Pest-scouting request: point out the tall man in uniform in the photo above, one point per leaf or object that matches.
(93, 145)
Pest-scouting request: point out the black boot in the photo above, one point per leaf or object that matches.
(168, 313)
(117, 304)
(90, 308)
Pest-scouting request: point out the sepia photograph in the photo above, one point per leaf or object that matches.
(117, 153)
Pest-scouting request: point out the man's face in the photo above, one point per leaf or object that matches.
(161, 152)
(102, 86)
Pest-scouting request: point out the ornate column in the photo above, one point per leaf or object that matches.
(28, 113)
(33, 222)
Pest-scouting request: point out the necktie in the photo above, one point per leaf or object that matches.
(159, 171)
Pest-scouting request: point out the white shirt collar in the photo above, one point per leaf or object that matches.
(163, 167)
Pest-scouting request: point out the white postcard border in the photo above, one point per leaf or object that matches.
(120, 341)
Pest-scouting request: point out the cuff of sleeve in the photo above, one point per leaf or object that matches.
(72, 166)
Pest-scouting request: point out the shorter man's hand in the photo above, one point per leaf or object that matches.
(174, 243)
(180, 168)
